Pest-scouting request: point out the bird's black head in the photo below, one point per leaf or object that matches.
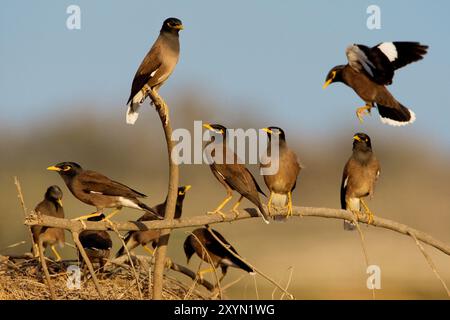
(182, 193)
(172, 25)
(361, 142)
(54, 194)
(97, 218)
(335, 75)
(275, 131)
(66, 168)
(216, 128)
(188, 248)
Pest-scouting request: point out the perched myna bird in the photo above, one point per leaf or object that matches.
(369, 70)
(136, 238)
(233, 176)
(283, 182)
(50, 206)
(206, 246)
(97, 190)
(156, 67)
(96, 243)
(358, 179)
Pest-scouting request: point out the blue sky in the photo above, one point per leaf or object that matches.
(272, 53)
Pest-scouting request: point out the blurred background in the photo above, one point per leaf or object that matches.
(245, 65)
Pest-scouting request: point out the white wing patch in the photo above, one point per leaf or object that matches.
(95, 192)
(389, 50)
(153, 73)
(399, 123)
(345, 181)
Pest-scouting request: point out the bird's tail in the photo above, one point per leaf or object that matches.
(132, 112)
(396, 116)
(349, 225)
(264, 214)
(279, 200)
(244, 266)
(146, 208)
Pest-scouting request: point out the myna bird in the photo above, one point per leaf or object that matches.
(50, 206)
(99, 191)
(156, 67)
(96, 243)
(283, 182)
(368, 72)
(206, 246)
(358, 179)
(233, 176)
(143, 238)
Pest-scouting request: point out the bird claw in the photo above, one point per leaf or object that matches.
(360, 112)
(217, 212)
(236, 212)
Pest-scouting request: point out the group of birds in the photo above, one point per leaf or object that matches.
(368, 72)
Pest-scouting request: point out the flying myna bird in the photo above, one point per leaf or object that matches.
(368, 72)
(283, 182)
(156, 67)
(50, 206)
(143, 238)
(233, 176)
(358, 179)
(99, 191)
(206, 246)
(96, 243)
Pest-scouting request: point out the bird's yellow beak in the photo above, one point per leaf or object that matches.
(357, 138)
(179, 27)
(208, 126)
(60, 202)
(327, 83)
(187, 187)
(53, 168)
(267, 130)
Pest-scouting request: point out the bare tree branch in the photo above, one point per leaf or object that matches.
(202, 220)
(172, 194)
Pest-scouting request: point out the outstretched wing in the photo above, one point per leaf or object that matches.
(380, 61)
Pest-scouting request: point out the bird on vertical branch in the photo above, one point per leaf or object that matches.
(233, 176)
(358, 179)
(50, 206)
(284, 180)
(370, 70)
(156, 67)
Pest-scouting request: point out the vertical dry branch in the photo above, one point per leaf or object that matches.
(44, 267)
(158, 269)
(24, 208)
(76, 239)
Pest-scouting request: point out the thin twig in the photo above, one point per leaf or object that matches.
(44, 267)
(430, 263)
(366, 256)
(24, 207)
(76, 239)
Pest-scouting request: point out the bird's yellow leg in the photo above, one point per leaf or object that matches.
(202, 272)
(289, 205)
(112, 214)
(146, 248)
(35, 250)
(234, 209)
(269, 204)
(58, 257)
(360, 112)
(224, 202)
(368, 212)
(95, 214)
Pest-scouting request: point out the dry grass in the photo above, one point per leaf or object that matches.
(23, 280)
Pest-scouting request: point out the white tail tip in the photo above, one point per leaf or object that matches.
(131, 115)
(399, 123)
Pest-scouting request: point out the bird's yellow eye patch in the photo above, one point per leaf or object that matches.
(66, 168)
